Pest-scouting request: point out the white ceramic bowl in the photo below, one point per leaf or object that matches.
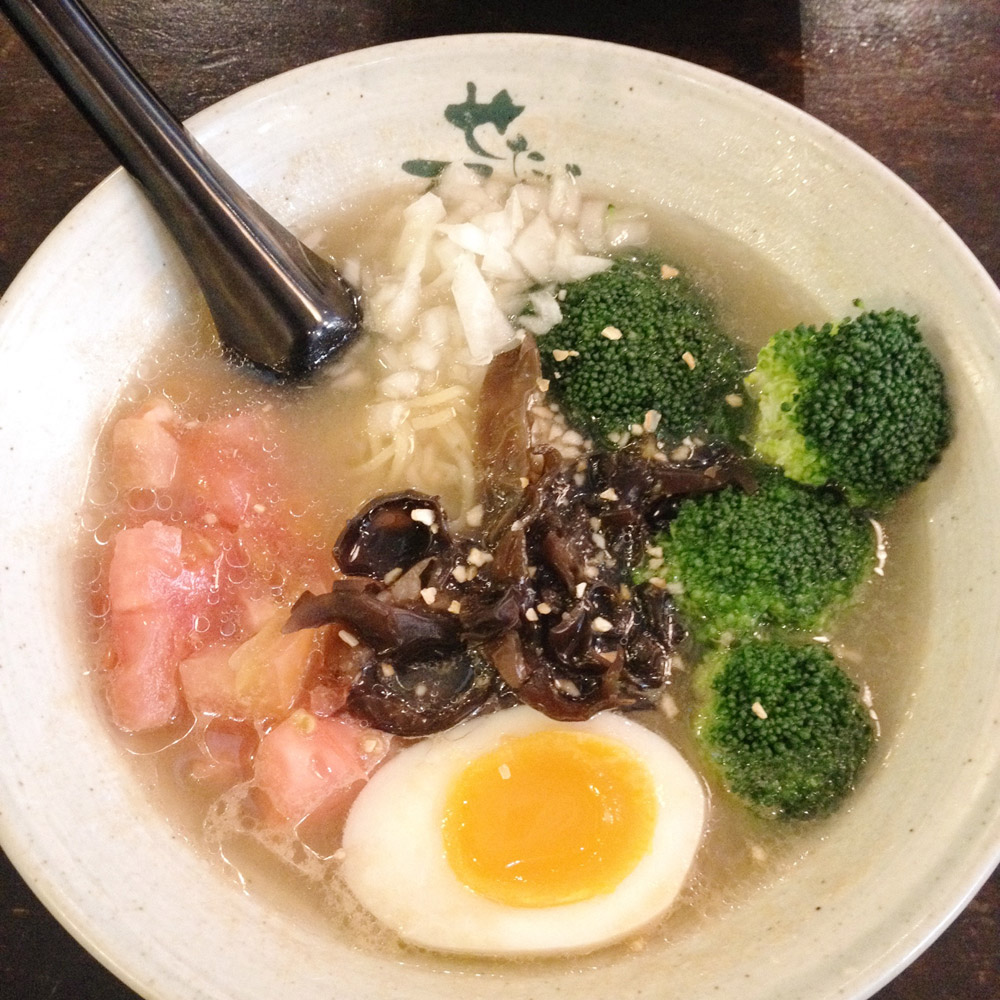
(920, 836)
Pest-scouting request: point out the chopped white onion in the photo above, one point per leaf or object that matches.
(487, 330)
(471, 253)
(535, 247)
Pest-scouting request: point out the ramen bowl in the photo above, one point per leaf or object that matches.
(880, 879)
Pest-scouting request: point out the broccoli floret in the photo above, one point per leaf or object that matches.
(632, 340)
(783, 724)
(784, 556)
(860, 404)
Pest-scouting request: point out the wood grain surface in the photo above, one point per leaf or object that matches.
(915, 82)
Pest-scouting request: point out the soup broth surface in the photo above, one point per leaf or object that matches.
(336, 457)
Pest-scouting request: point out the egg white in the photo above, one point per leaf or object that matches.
(395, 861)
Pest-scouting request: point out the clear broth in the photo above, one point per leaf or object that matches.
(880, 638)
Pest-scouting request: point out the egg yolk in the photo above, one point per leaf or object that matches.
(550, 818)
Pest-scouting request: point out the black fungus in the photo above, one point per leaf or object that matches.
(426, 695)
(391, 533)
(539, 606)
(503, 432)
(367, 610)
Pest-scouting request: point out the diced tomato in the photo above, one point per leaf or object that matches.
(178, 592)
(256, 609)
(232, 473)
(226, 468)
(208, 681)
(328, 699)
(147, 567)
(159, 577)
(278, 551)
(144, 450)
(271, 668)
(307, 764)
(142, 688)
(259, 679)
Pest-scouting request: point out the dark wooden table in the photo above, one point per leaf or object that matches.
(916, 82)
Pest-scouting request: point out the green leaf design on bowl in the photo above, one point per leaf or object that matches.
(470, 115)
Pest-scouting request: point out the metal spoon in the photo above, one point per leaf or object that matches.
(275, 303)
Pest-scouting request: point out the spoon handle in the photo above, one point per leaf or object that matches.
(263, 286)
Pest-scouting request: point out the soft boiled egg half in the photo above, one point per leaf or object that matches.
(514, 834)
